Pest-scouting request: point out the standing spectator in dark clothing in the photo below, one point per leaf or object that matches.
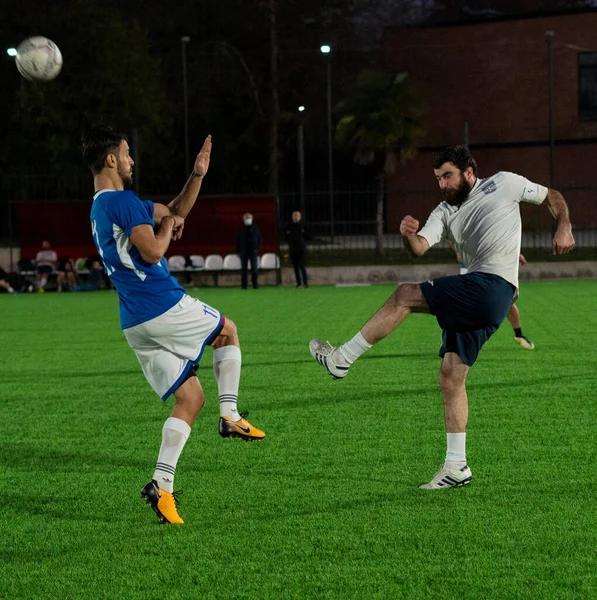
(296, 236)
(248, 245)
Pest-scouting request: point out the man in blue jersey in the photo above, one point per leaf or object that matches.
(480, 217)
(167, 329)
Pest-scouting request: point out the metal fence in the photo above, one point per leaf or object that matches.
(342, 225)
(342, 230)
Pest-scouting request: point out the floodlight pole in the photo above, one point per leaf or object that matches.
(184, 40)
(550, 39)
(327, 50)
(301, 160)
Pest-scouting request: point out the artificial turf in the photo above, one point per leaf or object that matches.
(328, 505)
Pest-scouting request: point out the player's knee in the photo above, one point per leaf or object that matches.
(450, 379)
(189, 395)
(228, 336)
(405, 294)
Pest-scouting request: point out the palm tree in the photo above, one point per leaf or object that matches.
(380, 122)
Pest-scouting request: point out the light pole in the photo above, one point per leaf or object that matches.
(12, 52)
(184, 40)
(326, 49)
(549, 35)
(300, 140)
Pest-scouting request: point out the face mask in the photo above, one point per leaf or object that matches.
(248, 221)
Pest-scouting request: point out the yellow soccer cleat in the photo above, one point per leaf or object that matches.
(525, 343)
(239, 429)
(163, 503)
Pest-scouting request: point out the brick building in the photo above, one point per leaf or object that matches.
(488, 83)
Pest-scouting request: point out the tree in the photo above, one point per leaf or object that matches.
(380, 123)
(110, 78)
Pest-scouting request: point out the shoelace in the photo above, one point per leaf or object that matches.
(244, 415)
(324, 348)
(176, 495)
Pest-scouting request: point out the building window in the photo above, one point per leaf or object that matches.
(587, 86)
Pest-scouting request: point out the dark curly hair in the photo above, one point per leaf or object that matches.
(459, 156)
(98, 142)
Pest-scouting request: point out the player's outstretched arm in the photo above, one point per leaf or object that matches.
(184, 202)
(563, 241)
(417, 245)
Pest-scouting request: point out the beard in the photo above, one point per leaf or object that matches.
(458, 196)
(126, 177)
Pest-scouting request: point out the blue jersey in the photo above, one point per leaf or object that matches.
(145, 290)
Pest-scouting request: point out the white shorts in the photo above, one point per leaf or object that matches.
(169, 345)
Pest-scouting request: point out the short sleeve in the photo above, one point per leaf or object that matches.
(434, 229)
(525, 190)
(129, 210)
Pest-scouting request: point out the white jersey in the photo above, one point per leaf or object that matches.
(485, 230)
(46, 257)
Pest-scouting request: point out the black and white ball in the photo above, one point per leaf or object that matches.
(38, 58)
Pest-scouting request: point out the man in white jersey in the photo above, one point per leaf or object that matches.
(167, 329)
(481, 219)
(45, 262)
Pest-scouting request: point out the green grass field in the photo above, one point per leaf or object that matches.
(328, 505)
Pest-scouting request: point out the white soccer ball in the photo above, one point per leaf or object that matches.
(38, 58)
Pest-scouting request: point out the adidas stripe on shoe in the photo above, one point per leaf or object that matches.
(450, 475)
(327, 356)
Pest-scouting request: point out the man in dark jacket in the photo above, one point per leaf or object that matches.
(296, 236)
(248, 245)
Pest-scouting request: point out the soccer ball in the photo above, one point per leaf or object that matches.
(38, 58)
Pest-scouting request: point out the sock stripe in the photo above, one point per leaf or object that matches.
(166, 468)
(229, 397)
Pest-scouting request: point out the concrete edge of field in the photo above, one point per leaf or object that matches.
(368, 275)
(415, 273)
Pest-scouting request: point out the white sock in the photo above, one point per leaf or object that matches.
(227, 363)
(354, 348)
(10, 290)
(42, 282)
(456, 447)
(175, 434)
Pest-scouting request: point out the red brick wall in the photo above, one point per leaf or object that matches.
(495, 77)
(414, 190)
(211, 226)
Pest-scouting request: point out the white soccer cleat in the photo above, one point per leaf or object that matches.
(329, 357)
(450, 475)
(525, 342)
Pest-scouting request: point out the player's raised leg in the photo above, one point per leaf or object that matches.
(405, 299)
(452, 379)
(514, 318)
(159, 492)
(227, 368)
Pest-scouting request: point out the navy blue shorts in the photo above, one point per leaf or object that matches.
(469, 309)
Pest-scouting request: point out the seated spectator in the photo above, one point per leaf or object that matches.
(67, 278)
(94, 279)
(45, 260)
(5, 282)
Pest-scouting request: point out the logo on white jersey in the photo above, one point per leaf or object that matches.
(489, 187)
